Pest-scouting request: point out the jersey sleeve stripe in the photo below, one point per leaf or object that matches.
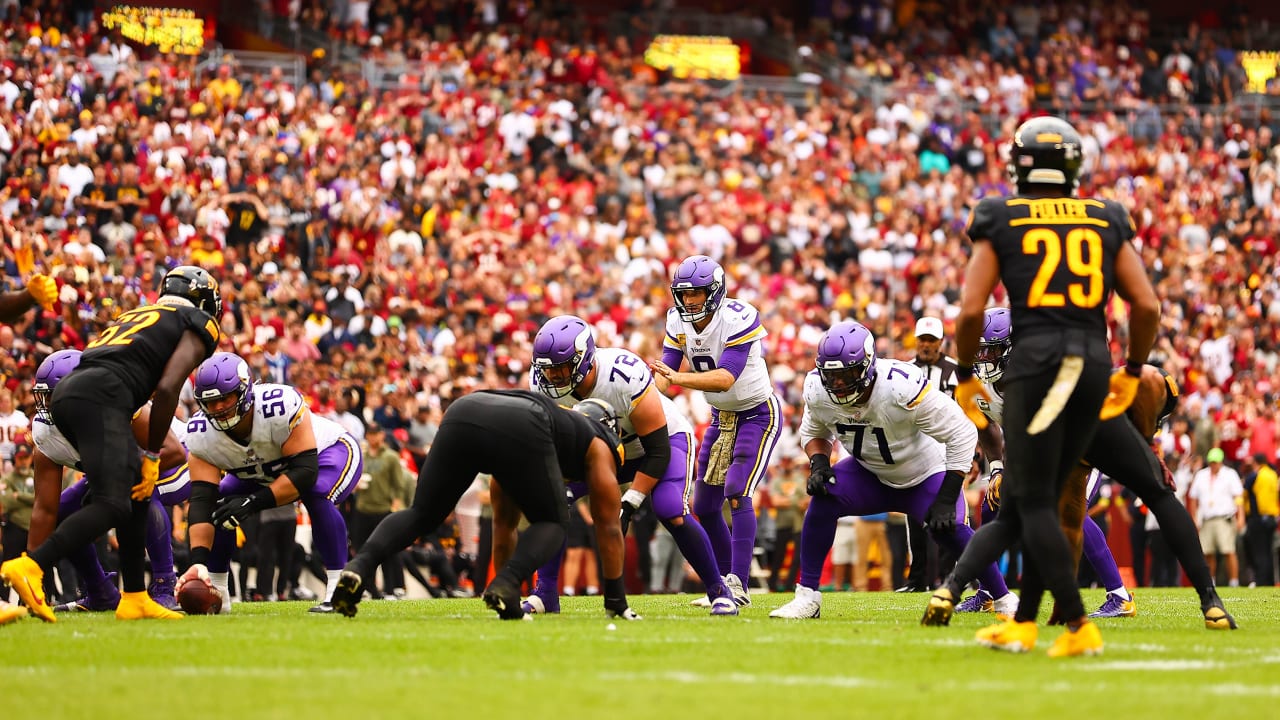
(297, 416)
(636, 398)
(672, 341)
(919, 396)
(757, 333)
(737, 337)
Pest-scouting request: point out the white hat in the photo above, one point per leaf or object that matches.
(929, 326)
(270, 268)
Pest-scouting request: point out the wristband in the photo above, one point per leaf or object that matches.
(633, 498)
(964, 372)
(996, 467)
(200, 556)
(152, 456)
(1134, 367)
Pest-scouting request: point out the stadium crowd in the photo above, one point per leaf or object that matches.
(387, 252)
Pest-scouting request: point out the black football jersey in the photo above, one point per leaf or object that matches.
(572, 432)
(1057, 257)
(138, 345)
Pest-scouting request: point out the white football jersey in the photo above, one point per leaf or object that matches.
(993, 408)
(622, 379)
(55, 446)
(11, 426)
(736, 323)
(904, 433)
(277, 410)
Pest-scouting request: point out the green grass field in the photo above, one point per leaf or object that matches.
(453, 658)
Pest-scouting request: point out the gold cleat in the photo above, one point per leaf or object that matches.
(1010, 636)
(1084, 640)
(25, 576)
(941, 605)
(140, 606)
(10, 613)
(1217, 618)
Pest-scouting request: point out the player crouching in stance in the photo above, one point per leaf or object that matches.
(54, 452)
(658, 440)
(273, 451)
(909, 447)
(530, 445)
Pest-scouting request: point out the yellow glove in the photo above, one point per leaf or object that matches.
(1124, 388)
(967, 394)
(150, 472)
(993, 486)
(43, 290)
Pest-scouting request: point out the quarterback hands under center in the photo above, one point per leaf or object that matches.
(968, 390)
(197, 572)
(150, 473)
(1124, 388)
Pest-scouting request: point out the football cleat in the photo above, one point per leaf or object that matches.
(702, 601)
(10, 613)
(980, 601)
(1216, 616)
(163, 590)
(740, 594)
(347, 594)
(1006, 606)
(805, 605)
(100, 599)
(536, 604)
(323, 608)
(503, 598)
(1114, 607)
(912, 588)
(723, 606)
(1010, 636)
(625, 614)
(24, 575)
(941, 604)
(140, 606)
(1084, 640)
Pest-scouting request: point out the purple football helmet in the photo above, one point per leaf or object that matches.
(222, 375)
(847, 361)
(54, 368)
(563, 353)
(994, 346)
(698, 272)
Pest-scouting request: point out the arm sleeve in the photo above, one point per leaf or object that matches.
(939, 417)
(657, 452)
(671, 357)
(734, 359)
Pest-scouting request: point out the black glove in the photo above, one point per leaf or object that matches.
(232, 509)
(941, 517)
(820, 475)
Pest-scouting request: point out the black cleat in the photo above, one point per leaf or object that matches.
(912, 588)
(346, 596)
(504, 598)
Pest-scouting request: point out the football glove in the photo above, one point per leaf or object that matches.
(1124, 388)
(43, 290)
(150, 473)
(941, 517)
(195, 573)
(631, 500)
(821, 477)
(231, 510)
(967, 393)
(993, 486)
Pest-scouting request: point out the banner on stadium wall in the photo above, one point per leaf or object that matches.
(176, 26)
(1259, 69)
(702, 57)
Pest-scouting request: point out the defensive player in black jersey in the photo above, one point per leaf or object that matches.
(1059, 257)
(146, 354)
(530, 445)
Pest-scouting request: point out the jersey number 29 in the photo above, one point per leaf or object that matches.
(1083, 248)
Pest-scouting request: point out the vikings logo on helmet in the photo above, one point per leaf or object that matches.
(563, 354)
(698, 272)
(51, 371)
(222, 375)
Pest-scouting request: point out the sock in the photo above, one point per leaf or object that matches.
(694, 544)
(219, 580)
(549, 574)
(591, 590)
(1121, 593)
(79, 530)
(989, 577)
(92, 577)
(744, 539)
(816, 538)
(330, 583)
(570, 591)
(535, 547)
(396, 532)
(329, 532)
(1099, 557)
(717, 531)
(159, 545)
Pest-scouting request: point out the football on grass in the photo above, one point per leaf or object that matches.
(198, 598)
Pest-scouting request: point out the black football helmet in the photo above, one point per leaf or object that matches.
(1046, 151)
(194, 284)
(600, 411)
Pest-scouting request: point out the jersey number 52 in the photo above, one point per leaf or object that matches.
(125, 327)
(1083, 248)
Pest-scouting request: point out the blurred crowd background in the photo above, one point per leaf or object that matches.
(386, 249)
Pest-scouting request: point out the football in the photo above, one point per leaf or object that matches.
(198, 598)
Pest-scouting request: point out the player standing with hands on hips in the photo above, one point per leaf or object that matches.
(1059, 257)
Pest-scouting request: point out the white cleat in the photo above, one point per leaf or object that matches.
(702, 601)
(1007, 605)
(806, 605)
(739, 592)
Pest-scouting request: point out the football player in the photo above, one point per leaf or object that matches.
(909, 449)
(147, 353)
(568, 367)
(54, 452)
(254, 446)
(721, 339)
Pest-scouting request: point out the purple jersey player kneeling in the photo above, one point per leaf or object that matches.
(273, 451)
(909, 447)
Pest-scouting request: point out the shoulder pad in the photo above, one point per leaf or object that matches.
(907, 384)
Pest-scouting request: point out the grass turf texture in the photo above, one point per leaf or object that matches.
(867, 655)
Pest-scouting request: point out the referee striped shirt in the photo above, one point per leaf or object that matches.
(941, 374)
